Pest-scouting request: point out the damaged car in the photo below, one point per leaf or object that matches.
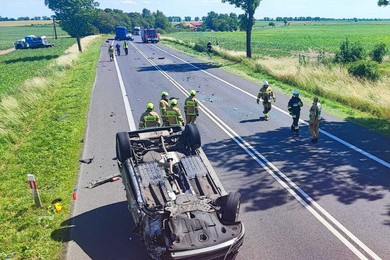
(178, 204)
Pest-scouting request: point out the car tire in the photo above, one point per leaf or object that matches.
(192, 136)
(123, 146)
(231, 209)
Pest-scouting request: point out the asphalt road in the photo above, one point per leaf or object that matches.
(329, 200)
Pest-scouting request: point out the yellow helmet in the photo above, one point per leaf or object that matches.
(150, 106)
(174, 102)
(192, 92)
(164, 93)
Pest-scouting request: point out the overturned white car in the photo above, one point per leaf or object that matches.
(178, 204)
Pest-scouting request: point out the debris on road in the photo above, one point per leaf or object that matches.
(104, 180)
(87, 161)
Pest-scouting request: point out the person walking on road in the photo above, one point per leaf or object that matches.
(266, 96)
(174, 116)
(126, 47)
(149, 118)
(191, 108)
(314, 120)
(111, 52)
(118, 48)
(294, 107)
(164, 104)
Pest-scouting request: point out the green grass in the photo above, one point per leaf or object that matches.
(35, 141)
(20, 65)
(297, 37)
(10, 34)
(247, 69)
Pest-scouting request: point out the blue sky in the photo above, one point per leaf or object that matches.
(193, 8)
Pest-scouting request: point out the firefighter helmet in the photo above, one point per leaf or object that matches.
(174, 102)
(295, 92)
(192, 92)
(164, 94)
(150, 106)
(265, 83)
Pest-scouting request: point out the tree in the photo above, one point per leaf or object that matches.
(76, 16)
(249, 6)
(187, 18)
(383, 2)
(197, 19)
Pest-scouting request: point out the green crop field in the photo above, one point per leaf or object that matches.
(297, 37)
(10, 34)
(20, 65)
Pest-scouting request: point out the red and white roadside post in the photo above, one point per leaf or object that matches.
(34, 190)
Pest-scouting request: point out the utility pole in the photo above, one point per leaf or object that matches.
(54, 25)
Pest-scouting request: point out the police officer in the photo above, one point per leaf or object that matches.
(174, 116)
(191, 108)
(126, 47)
(266, 95)
(164, 107)
(149, 118)
(294, 107)
(314, 120)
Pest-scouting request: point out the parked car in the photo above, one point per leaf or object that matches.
(178, 204)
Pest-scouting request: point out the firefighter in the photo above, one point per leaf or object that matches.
(111, 52)
(266, 95)
(294, 107)
(149, 118)
(126, 47)
(174, 116)
(314, 120)
(191, 108)
(164, 107)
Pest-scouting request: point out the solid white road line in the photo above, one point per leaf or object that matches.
(129, 115)
(313, 207)
(372, 157)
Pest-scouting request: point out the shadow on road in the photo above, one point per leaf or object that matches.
(178, 67)
(97, 229)
(327, 168)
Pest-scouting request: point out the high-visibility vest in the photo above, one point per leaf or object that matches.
(191, 107)
(125, 46)
(150, 121)
(172, 118)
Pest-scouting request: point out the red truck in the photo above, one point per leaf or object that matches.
(150, 35)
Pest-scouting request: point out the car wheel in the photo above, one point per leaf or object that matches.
(192, 136)
(231, 209)
(123, 147)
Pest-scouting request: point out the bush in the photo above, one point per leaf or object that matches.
(200, 46)
(364, 69)
(349, 52)
(379, 52)
(272, 24)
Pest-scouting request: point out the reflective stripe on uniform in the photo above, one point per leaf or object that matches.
(150, 121)
(190, 107)
(172, 118)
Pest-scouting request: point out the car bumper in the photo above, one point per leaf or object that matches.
(227, 248)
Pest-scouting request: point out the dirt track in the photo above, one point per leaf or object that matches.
(6, 51)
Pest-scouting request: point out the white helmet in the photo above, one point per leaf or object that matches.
(265, 83)
(295, 92)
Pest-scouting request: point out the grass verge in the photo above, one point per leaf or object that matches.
(44, 124)
(236, 62)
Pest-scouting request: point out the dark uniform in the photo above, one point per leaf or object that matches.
(294, 107)
(267, 95)
(191, 109)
